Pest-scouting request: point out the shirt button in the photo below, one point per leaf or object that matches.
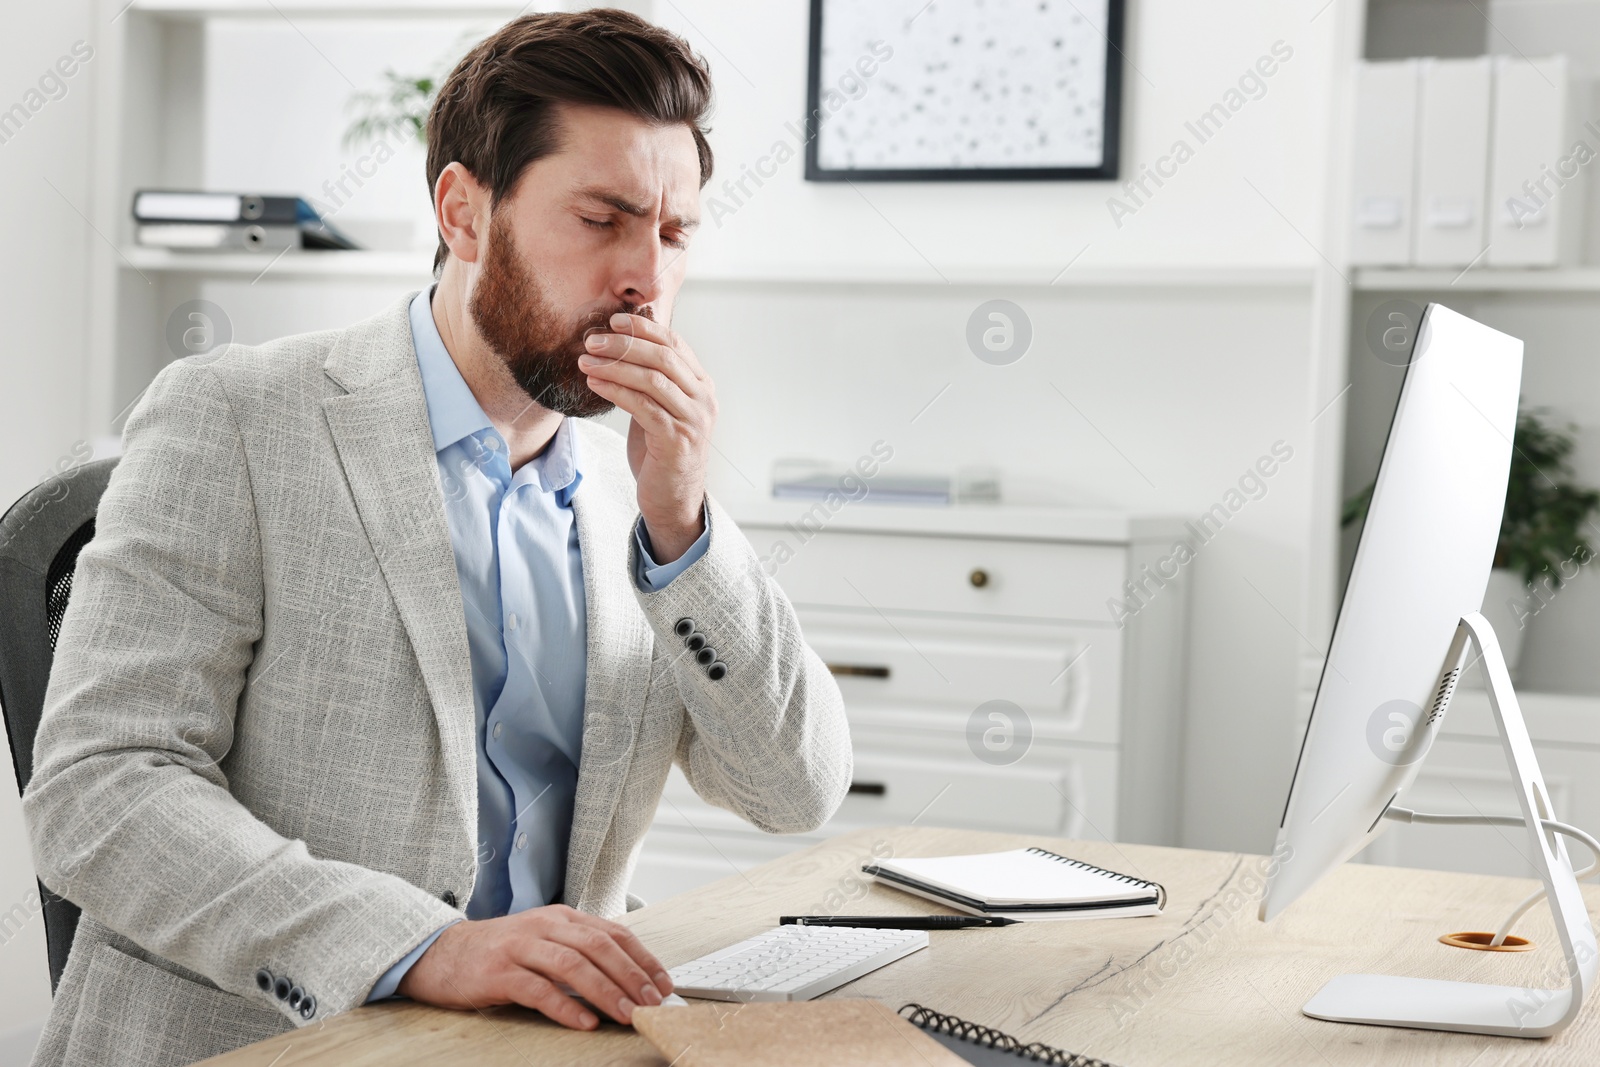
(511, 621)
(495, 733)
(492, 444)
(522, 841)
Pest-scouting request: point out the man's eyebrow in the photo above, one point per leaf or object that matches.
(636, 210)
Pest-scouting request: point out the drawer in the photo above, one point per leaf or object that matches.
(932, 780)
(1067, 679)
(678, 858)
(898, 572)
(889, 790)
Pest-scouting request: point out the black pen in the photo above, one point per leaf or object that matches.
(898, 922)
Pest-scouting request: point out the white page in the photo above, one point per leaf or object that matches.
(1017, 877)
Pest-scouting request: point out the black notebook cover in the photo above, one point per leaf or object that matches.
(986, 1047)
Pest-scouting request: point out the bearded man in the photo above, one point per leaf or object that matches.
(381, 654)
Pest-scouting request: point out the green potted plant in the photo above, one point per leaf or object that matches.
(399, 108)
(1544, 534)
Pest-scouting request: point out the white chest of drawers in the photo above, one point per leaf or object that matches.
(1003, 668)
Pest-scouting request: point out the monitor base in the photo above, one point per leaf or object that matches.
(1468, 1007)
(1428, 1004)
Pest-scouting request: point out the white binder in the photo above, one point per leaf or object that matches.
(1536, 182)
(1383, 163)
(1452, 162)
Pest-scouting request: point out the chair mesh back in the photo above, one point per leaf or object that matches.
(58, 583)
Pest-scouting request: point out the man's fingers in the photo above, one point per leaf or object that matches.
(663, 335)
(620, 347)
(601, 949)
(631, 944)
(563, 964)
(541, 994)
(654, 383)
(639, 326)
(652, 416)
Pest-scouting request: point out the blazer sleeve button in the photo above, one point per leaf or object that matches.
(706, 656)
(281, 987)
(448, 897)
(716, 671)
(695, 642)
(264, 980)
(308, 1006)
(296, 997)
(685, 627)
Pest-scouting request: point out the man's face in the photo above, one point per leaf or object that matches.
(600, 226)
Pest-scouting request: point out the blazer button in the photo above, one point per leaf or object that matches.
(296, 997)
(448, 897)
(695, 642)
(706, 656)
(308, 1006)
(716, 671)
(685, 627)
(264, 980)
(281, 987)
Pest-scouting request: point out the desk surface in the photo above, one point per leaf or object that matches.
(1204, 983)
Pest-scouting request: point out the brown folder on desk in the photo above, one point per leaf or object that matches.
(816, 1033)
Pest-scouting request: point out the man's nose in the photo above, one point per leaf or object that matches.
(639, 275)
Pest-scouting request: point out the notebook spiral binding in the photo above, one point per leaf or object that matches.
(1161, 890)
(988, 1037)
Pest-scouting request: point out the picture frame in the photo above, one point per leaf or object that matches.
(868, 120)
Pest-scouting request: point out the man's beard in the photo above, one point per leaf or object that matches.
(518, 323)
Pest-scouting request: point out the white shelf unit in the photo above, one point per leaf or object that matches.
(1548, 308)
(1015, 276)
(410, 266)
(404, 266)
(1478, 280)
(149, 108)
(925, 615)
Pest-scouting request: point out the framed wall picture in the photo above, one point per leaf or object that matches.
(964, 90)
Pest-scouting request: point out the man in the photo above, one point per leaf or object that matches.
(381, 651)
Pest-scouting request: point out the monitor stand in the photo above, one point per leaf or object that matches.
(1470, 1007)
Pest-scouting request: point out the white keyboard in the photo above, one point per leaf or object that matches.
(793, 962)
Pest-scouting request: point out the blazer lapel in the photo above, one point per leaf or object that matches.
(380, 430)
(618, 661)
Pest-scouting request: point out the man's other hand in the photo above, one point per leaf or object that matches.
(525, 959)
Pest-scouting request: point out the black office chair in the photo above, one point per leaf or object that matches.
(40, 538)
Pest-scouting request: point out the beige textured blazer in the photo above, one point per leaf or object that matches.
(257, 749)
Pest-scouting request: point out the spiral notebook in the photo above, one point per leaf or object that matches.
(1025, 883)
(985, 1047)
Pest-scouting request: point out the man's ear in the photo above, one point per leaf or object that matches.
(461, 208)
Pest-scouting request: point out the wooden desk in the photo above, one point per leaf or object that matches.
(1204, 983)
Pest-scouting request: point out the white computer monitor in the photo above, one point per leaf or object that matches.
(1399, 643)
(1422, 562)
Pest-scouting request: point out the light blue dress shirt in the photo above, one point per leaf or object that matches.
(521, 573)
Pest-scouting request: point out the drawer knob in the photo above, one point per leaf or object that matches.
(979, 577)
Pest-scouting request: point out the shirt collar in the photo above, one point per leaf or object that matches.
(454, 413)
(557, 465)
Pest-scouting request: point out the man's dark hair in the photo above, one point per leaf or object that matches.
(494, 113)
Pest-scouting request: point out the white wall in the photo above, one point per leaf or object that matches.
(1182, 57)
(44, 184)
